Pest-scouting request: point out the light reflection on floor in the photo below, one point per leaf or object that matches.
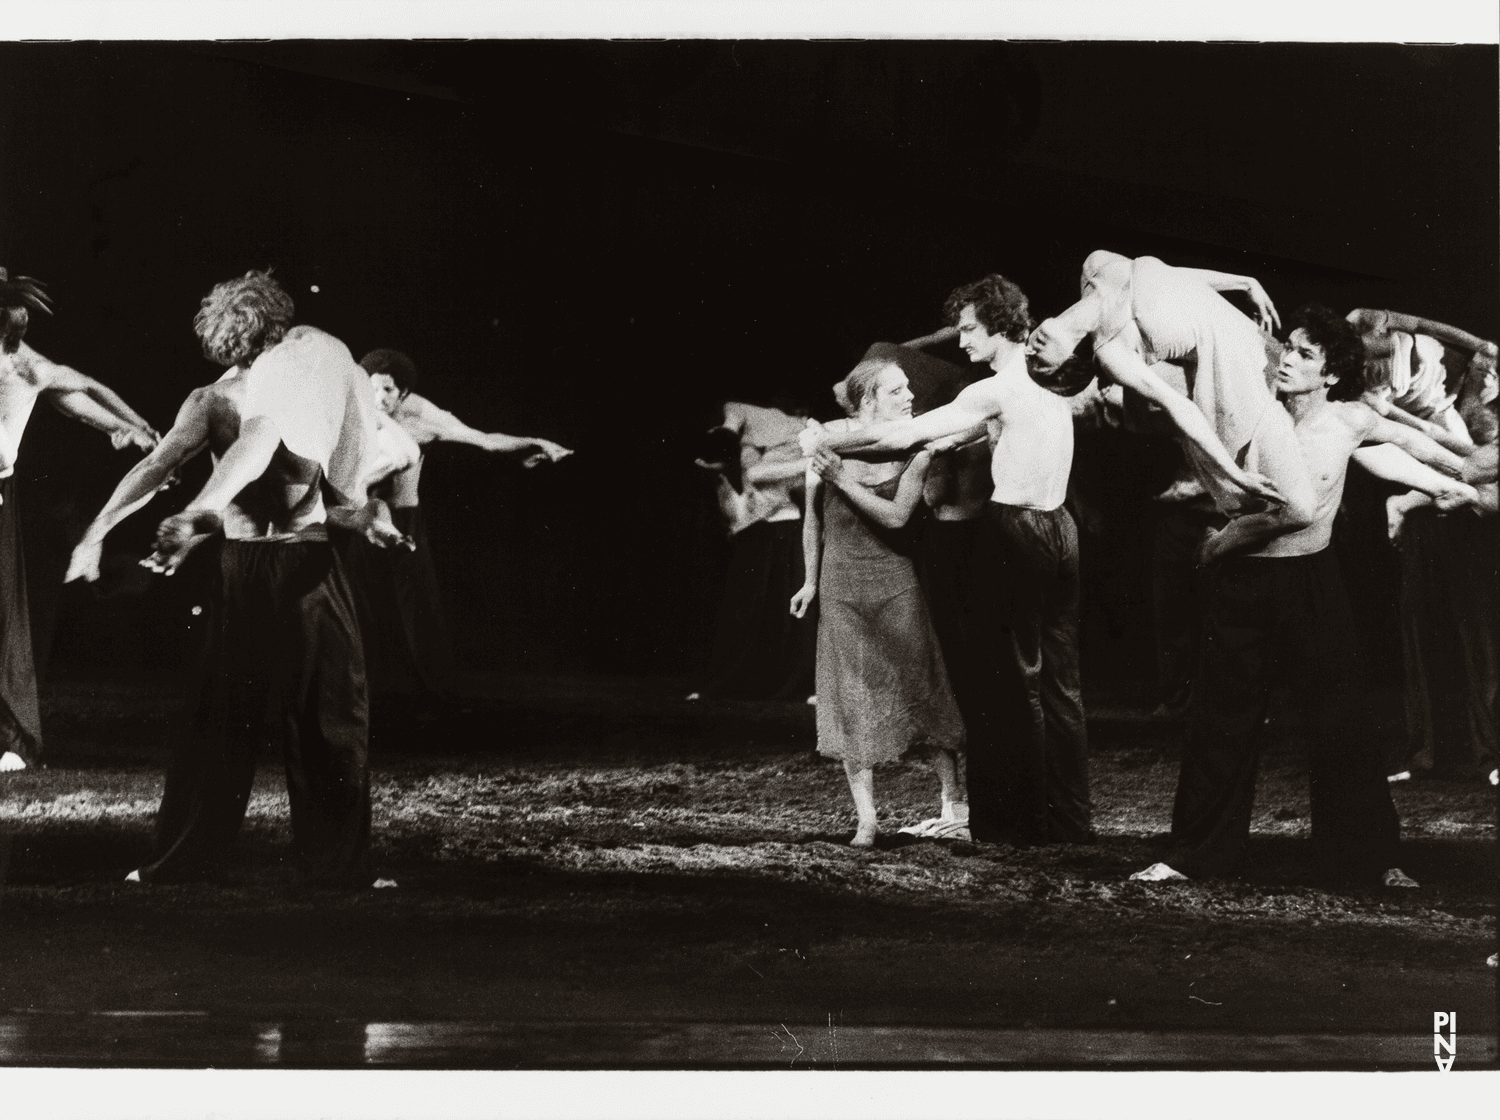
(198, 1040)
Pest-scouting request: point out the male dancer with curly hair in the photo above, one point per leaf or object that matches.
(1029, 784)
(1278, 607)
(292, 428)
(24, 376)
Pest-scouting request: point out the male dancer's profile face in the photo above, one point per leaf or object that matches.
(974, 339)
(387, 396)
(1301, 368)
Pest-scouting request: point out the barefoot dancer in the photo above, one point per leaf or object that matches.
(1278, 606)
(408, 611)
(1028, 777)
(882, 688)
(24, 376)
(294, 417)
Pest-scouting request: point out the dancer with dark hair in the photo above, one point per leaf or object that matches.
(882, 688)
(760, 652)
(1028, 778)
(26, 375)
(292, 427)
(1278, 607)
(401, 601)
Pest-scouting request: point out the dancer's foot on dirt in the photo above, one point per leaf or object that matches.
(864, 837)
(1159, 873)
(10, 762)
(1395, 877)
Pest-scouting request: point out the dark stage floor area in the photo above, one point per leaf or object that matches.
(594, 873)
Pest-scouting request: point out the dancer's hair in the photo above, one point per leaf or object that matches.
(18, 298)
(1343, 352)
(395, 365)
(852, 391)
(999, 305)
(241, 318)
(1073, 376)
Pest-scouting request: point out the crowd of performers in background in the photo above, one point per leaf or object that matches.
(955, 632)
(308, 539)
(939, 583)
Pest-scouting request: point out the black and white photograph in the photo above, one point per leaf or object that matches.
(893, 553)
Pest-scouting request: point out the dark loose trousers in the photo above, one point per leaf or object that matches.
(1270, 618)
(20, 716)
(946, 555)
(283, 661)
(1178, 596)
(1450, 638)
(1031, 784)
(400, 610)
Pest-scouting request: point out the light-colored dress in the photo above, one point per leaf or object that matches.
(882, 685)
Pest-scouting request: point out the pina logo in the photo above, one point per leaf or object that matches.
(1441, 1019)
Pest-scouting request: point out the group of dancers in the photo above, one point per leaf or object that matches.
(956, 633)
(312, 551)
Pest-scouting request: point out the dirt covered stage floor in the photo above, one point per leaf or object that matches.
(594, 873)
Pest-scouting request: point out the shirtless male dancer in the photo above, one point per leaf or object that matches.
(1029, 784)
(293, 418)
(1277, 605)
(24, 376)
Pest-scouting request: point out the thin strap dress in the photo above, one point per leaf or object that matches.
(882, 685)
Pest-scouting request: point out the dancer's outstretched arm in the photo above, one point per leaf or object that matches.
(972, 407)
(1392, 463)
(428, 423)
(187, 437)
(60, 382)
(1440, 435)
(1265, 310)
(1128, 368)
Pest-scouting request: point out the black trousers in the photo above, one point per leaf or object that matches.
(1269, 619)
(1029, 782)
(401, 618)
(282, 662)
(20, 716)
(1178, 597)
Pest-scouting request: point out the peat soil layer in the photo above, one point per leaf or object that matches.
(576, 852)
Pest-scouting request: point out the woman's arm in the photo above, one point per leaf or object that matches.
(1265, 310)
(889, 512)
(1127, 367)
(812, 546)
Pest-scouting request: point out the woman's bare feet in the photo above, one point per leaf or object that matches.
(10, 761)
(864, 836)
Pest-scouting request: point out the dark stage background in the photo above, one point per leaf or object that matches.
(593, 242)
